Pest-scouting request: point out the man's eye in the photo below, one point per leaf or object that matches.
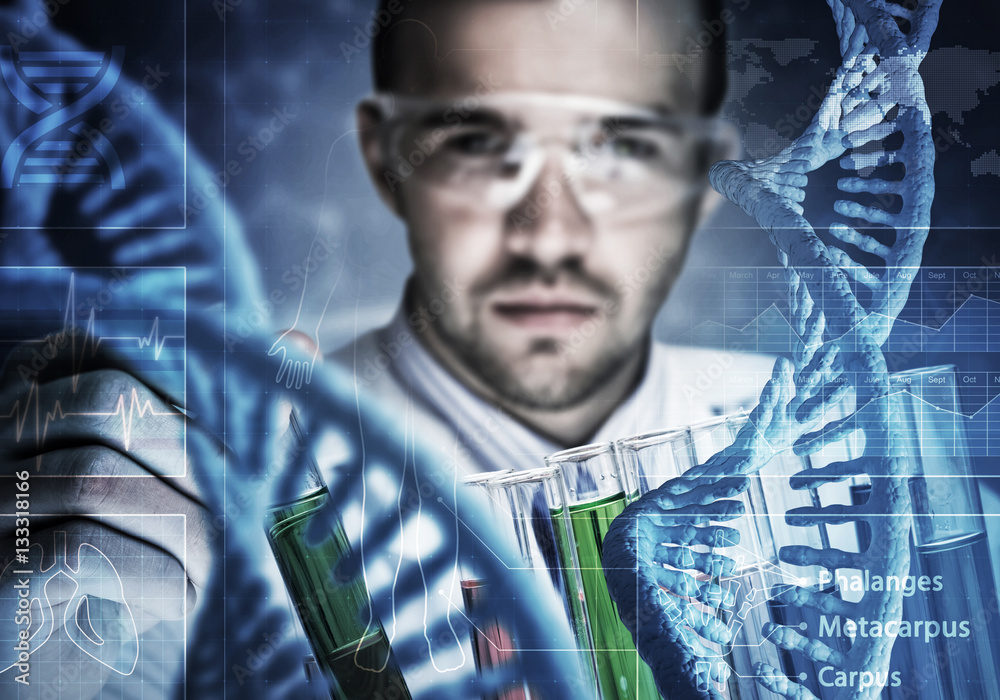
(478, 143)
(634, 147)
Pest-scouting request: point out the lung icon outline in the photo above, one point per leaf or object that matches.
(101, 627)
(60, 87)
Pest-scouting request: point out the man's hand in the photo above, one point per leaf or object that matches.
(101, 524)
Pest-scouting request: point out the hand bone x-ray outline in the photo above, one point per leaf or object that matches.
(43, 81)
(78, 617)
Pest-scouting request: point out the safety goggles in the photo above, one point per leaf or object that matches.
(620, 161)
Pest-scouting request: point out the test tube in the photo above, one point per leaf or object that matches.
(950, 594)
(492, 645)
(758, 575)
(769, 499)
(357, 655)
(596, 492)
(529, 505)
(654, 458)
(752, 576)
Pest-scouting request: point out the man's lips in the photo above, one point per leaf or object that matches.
(548, 314)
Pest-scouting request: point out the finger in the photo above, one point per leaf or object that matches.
(706, 625)
(802, 555)
(860, 161)
(791, 193)
(97, 481)
(867, 114)
(814, 650)
(815, 408)
(777, 682)
(832, 473)
(791, 179)
(875, 82)
(283, 367)
(691, 623)
(826, 603)
(833, 431)
(822, 368)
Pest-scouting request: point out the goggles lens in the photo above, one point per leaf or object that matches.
(614, 157)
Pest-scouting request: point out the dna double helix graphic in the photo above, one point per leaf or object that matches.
(60, 87)
(843, 311)
(878, 58)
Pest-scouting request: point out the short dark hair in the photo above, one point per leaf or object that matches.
(385, 57)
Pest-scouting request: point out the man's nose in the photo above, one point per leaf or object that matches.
(548, 225)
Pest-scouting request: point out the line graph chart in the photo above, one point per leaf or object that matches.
(952, 315)
(121, 310)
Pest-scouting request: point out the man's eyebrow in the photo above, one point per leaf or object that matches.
(632, 121)
(482, 116)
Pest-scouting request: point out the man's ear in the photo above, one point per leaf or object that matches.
(369, 117)
(727, 147)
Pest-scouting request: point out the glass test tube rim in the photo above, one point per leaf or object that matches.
(484, 478)
(581, 453)
(503, 489)
(525, 476)
(637, 442)
(713, 422)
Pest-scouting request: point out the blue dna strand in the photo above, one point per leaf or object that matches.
(453, 525)
(60, 87)
(876, 96)
(231, 398)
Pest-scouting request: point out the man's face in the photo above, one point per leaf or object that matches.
(553, 203)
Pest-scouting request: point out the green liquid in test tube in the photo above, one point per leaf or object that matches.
(596, 496)
(334, 615)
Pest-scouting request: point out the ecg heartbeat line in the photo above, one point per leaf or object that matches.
(128, 409)
(83, 342)
(153, 339)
